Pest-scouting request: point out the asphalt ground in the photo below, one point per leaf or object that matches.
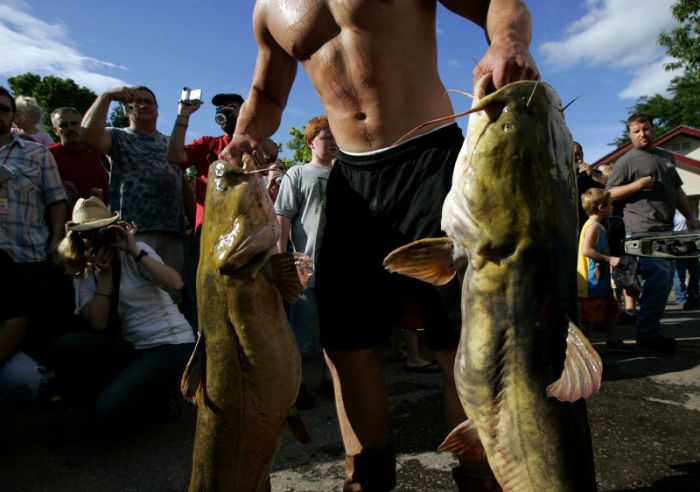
(645, 423)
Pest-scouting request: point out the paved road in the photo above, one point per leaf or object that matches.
(645, 424)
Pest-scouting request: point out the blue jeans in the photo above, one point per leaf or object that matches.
(122, 382)
(303, 318)
(690, 290)
(657, 276)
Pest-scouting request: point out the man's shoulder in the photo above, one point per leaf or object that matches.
(57, 147)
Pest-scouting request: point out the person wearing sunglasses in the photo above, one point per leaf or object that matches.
(30, 191)
(127, 367)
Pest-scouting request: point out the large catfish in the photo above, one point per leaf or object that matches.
(245, 371)
(522, 366)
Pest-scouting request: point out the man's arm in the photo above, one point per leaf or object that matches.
(58, 212)
(508, 26)
(176, 146)
(621, 192)
(274, 75)
(683, 205)
(285, 226)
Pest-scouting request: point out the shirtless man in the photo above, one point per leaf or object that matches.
(374, 66)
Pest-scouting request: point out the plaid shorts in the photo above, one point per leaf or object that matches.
(625, 273)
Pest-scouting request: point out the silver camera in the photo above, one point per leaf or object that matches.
(190, 96)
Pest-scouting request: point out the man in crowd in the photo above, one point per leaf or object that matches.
(645, 180)
(30, 191)
(81, 169)
(377, 83)
(143, 186)
(300, 210)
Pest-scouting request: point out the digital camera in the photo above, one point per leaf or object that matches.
(101, 237)
(190, 96)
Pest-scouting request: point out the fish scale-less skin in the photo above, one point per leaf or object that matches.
(253, 366)
(512, 208)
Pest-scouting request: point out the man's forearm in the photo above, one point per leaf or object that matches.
(58, 213)
(683, 205)
(176, 146)
(508, 20)
(92, 130)
(623, 191)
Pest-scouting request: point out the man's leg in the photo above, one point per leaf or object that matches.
(363, 414)
(657, 274)
(693, 295)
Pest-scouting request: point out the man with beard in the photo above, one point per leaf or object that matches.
(81, 169)
(30, 191)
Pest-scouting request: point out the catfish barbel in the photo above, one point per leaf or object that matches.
(522, 367)
(245, 371)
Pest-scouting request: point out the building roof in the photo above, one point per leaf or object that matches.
(679, 130)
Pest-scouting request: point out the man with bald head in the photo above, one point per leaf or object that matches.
(374, 67)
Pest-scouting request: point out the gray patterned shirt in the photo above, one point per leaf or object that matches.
(143, 185)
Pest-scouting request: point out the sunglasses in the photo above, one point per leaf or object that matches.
(4, 108)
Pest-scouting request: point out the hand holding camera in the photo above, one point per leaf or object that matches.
(190, 101)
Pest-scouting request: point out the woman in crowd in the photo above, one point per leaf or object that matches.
(134, 356)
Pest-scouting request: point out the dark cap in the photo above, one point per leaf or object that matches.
(226, 99)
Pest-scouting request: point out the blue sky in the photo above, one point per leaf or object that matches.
(603, 50)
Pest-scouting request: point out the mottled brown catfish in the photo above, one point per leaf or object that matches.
(245, 370)
(522, 366)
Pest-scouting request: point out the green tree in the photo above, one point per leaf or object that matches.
(118, 118)
(302, 153)
(52, 92)
(683, 105)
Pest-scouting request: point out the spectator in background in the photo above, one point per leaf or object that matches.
(274, 179)
(586, 178)
(686, 289)
(143, 185)
(30, 191)
(27, 120)
(647, 184)
(132, 361)
(300, 211)
(80, 168)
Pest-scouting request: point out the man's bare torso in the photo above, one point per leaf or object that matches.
(373, 63)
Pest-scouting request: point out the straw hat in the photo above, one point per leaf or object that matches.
(91, 214)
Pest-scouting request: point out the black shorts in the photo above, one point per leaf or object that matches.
(24, 287)
(375, 204)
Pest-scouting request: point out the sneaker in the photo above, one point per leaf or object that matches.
(304, 400)
(626, 318)
(619, 347)
(658, 343)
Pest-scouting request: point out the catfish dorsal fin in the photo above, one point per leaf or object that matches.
(429, 260)
(583, 369)
(291, 272)
(193, 379)
(464, 440)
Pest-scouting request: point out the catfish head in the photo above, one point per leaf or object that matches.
(514, 176)
(239, 220)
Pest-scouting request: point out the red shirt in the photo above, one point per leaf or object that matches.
(83, 168)
(200, 153)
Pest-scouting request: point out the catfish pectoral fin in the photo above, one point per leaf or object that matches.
(464, 441)
(583, 369)
(192, 384)
(297, 426)
(429, 260)
(291, 272)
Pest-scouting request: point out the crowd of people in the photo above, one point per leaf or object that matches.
(112, 207)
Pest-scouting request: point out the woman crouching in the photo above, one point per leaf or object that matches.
(130, 364)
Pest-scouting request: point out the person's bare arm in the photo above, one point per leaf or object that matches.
(285, 226)
(261, 113)
(683, 205)
(590, 236)
(623, 191)
(58, 212)
(96, 311)
(176, 145)
(92, 129)
(508, 26)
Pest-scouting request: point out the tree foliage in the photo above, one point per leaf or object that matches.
(52, 92)
(683, 105)
(118, 118)
(302, 153)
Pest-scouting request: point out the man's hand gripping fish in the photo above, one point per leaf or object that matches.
(522, 367)
(245, 371)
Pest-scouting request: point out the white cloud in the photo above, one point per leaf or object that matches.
(621, 34)
(649, 80)
(29, 44)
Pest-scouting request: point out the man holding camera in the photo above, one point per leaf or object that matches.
(143, 186)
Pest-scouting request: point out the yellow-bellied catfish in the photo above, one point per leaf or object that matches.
(245, 371)
(511, 214)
